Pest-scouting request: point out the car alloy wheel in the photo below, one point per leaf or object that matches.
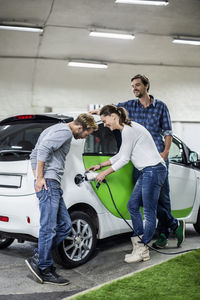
(77, 248)
(78, 244)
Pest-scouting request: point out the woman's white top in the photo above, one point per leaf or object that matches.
(137, 146)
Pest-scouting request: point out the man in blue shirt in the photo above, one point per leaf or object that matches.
(153, 114)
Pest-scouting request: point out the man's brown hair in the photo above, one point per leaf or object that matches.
(144, 79)
(87, 121)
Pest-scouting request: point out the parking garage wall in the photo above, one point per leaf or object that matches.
(28, 85)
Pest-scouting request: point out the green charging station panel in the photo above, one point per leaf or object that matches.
(120, 183)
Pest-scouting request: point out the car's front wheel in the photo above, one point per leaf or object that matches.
(77, 248)
(5, 242)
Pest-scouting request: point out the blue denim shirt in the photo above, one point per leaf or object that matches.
(155, 118)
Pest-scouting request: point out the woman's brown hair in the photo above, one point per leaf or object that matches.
(107, 110)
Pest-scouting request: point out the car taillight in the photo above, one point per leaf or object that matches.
(4, 219)
(24, 117)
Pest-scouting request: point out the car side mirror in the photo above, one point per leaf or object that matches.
(193, 157)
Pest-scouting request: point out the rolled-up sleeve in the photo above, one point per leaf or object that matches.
(166, 123)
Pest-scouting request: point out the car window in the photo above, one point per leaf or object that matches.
(103, 142)
(18, 140)
(176, 152)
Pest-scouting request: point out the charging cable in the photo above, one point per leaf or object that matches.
(150, 247)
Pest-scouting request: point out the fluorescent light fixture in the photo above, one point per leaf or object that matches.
(87, 65)
(112, 35)
(16, 147)
(21, 28)
(143, 2)
(188, 41)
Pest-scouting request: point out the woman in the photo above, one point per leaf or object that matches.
(139, 147)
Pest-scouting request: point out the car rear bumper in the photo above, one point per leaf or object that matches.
(21, 215)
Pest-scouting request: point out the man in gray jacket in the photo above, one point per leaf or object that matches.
(48, 163)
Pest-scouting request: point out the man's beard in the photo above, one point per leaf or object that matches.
(140, 95)
(77, 135)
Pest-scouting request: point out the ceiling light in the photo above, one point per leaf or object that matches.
(87, 65)
(21, 28)
(188, 41)
(143, 2)
(112, 35)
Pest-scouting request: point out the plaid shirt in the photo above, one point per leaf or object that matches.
(155, 118)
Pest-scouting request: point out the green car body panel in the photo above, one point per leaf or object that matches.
(121, 189)
(121, 186)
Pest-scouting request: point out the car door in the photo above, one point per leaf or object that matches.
(182, 180)
(99, 147)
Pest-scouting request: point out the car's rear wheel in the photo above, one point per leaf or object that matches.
(197, 224)
(77, 248)
(5, 242)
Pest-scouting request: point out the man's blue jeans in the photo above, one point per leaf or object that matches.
(165, 219)
(55, 222)
(146, 193)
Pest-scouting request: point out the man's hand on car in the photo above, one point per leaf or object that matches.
(95, 112)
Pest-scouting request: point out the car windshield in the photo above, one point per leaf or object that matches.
(18, 139)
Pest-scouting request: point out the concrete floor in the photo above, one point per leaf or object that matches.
(17, 283)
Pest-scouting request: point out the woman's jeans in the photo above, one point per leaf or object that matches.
(55, 222)
(165, 219)
(146, 193)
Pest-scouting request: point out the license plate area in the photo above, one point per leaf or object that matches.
(10, 181)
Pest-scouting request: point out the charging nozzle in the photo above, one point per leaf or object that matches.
(88, 176)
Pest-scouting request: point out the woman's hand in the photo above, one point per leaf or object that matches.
(94, 168)
(100, 177)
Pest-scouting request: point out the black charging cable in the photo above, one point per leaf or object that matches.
(150, 247)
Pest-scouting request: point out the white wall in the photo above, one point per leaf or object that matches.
(28, 85)
(16, 77)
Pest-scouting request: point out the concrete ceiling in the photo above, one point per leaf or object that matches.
(67, 23)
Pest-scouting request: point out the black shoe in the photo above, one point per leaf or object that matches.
(35, 258)
(49, 275)
(32, 264)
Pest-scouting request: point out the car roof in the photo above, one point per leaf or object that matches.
(45, 117)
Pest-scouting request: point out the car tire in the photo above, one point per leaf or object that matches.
(78, 247)
(5, 242)
(197, 224)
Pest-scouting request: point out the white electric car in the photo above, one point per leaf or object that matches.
(92, 211)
